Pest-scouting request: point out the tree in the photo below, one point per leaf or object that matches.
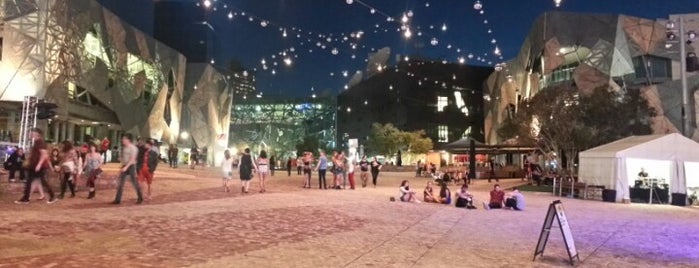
(387, 140)
(415, 142)
(383, 139)
(309, 144)
(564, 121)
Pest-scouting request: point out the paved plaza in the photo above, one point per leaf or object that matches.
(191, 222)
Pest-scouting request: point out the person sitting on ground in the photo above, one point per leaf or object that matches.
(445, 194)
(405, 194)
(429, 194)
(497, 198)
(464, 198)
(515, 200)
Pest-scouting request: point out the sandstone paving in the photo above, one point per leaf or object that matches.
(191, 222)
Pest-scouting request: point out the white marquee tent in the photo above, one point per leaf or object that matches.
(616, 165)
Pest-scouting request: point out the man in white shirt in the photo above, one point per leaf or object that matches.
(515, 200)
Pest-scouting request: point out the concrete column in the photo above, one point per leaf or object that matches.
(71, 132)
(81, 135)
(64, 129)
(56, 129)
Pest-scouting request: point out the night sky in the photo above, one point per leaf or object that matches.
(509, 21)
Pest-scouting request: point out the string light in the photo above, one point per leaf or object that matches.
(477, 5)
(557, 3)
(207, 3)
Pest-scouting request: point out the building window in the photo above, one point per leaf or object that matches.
(648, 66)
(442, 102)
(442, 133)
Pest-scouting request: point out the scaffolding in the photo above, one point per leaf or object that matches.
(29, 110)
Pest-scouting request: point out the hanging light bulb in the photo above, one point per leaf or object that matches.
(287, 61)
(477, 5)
(207, 3)
(372, 11)
(557, 2)
(493, 41)
(263, 23)
(404, 19)
(345, 73)
(444, 27)
(407, 33)
(462, 60)
(496, 51)
(349, 2)
(334, 51)
(470, 56)
(410, 13)
(434, 41)
(230, 15)
(284, 33)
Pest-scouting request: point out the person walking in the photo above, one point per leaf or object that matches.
(92, 168)
(128, 155)
(272, 165)
(351, 163)
(245, 169)
(227, 170)
(38, 166)
(339, 170)
(322, 168)
(172, 155)
(364, 170)
(307, 162)
(193, 157)
(263, 169)
(104, 148)
(289, 163)
(375, 168)
(146, 165)
(69, 169)
(299, 165)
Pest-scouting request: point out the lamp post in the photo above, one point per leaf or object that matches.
(685, 38)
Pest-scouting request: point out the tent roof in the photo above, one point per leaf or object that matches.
(661, 147)
(463, 143)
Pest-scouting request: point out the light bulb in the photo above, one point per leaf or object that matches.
(434, 41)
(230, 15)
(207, 3)
(404, 19)
(444, 27)
(477, 5)
(407, 33)
(349, 2)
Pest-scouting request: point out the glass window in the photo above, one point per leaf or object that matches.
(443, 133)
(442, 102)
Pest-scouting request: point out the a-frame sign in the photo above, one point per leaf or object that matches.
(556, 211)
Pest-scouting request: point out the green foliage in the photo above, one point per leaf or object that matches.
(387, 140)
(562, 120)
(309, 144)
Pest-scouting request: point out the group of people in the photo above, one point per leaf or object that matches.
(70, 162)
(340, 167)
(464, 199)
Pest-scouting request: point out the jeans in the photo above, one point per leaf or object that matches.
(374, 176)
(28, 184)
(122, 178)
(15, 169)
(173, 162)
(67, 183)
(322, 183)
(350, 176)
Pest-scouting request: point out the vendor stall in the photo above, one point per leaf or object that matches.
(652, 168)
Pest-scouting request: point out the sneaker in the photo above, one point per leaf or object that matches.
(21, 202)
(52, 200)
(486, 206)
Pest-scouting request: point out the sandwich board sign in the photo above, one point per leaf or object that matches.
(556, 211)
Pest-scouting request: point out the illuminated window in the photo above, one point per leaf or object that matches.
(442, 102)
(442, 133)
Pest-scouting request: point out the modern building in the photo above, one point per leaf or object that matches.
(619, 51)
(106, 76)
(244, 84)
(278, 124)
(185, 27)
(443, 99)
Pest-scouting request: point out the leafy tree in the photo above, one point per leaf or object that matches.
(416, 142)
(387, 140)
(309, 144)
(564, 121)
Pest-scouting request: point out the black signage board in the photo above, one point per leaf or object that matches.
(557, 211)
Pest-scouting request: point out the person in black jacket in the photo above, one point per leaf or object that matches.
(14, 164)
(146, 163)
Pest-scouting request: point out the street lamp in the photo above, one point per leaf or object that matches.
(686, 37)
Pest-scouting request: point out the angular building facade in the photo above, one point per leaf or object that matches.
(619, 51)
(443, 99)
(279, 124)
(106, 76)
